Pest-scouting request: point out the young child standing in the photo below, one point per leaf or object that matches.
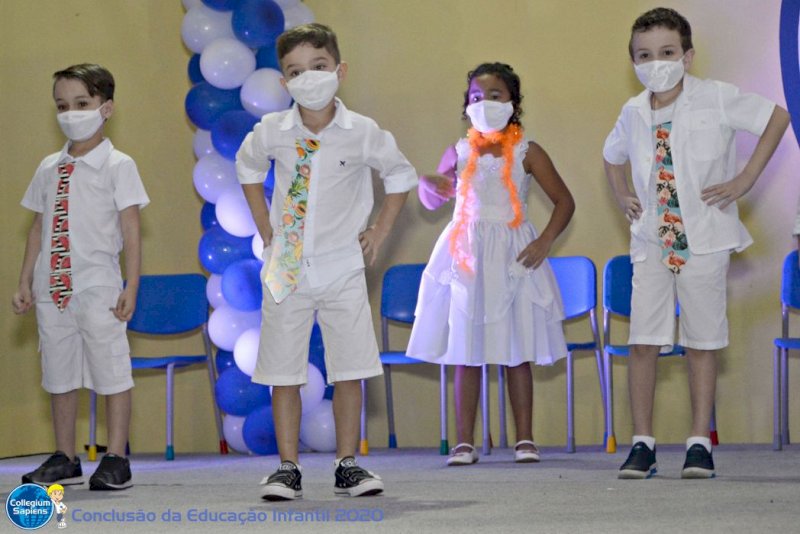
(316, 237)
(678, 135)
(488, 295)
(86, 199)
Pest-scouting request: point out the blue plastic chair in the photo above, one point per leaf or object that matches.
(398, 302)
(577, 281)
(170, 306)
(617, 291)
(790, 300)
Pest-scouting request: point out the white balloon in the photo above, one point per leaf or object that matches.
(202, 143)
(227, 62)
(263, 93)
(233, 213)
(312, 392)
(317, 428)
(296, 15)
(232, 426)
(258, 246)
(214, 291)
(245, 351)
(189, 4)
(201, 25)
(226, 324)
(214, 175)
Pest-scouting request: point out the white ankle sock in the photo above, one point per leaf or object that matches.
(702, 440)
(650, 441)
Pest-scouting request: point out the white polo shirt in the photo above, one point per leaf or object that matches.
(104, 182)
(707, 115)
(340, 195)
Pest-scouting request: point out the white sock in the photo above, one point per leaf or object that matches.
(650, 441)
(702, 440)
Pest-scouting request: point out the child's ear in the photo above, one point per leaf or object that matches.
(342, 71)
(107, 109)
(688, 56)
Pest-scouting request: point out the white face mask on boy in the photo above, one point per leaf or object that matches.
(80, 125)
(314, 89)
(489, 116)
(659, 76)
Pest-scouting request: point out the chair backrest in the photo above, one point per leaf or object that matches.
(790, 282)
(170, 304)
(400, 291)
(617, 287)
(577, 280)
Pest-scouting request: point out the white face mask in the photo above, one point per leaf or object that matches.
(489, 116)
(80, 125)
(659, 76)
(314, 89)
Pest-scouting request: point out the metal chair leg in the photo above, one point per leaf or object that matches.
(570, 405)
(610, 439)
(387, 377)
(363, 448)
(487, 438)
(501, 405)
(444, 446)
(92, 453)
(785, 397)
(777, 438)
(170, 452)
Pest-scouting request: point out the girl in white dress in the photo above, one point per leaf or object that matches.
(488, 295)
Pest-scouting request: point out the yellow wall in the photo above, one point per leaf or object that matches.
(408, 60)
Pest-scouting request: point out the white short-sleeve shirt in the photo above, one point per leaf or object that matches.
(340, 196)
(707, 115)
(104, 182)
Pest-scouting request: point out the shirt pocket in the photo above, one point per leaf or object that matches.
(705, 135)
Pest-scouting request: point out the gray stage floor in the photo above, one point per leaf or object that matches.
(756, 490)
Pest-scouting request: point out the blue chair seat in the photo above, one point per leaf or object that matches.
(163, 362)
(397, 358)
(791, 343)
(623, 351)
(790, 301)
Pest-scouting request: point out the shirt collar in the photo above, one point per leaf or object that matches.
(95, 158)
(341, 118)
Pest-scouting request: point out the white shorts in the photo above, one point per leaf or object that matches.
(85, 345)
(344, 316)
(701, 289)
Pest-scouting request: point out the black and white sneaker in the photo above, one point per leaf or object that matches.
(113, 473)
(641, 463)
(283, 484)
(699, 463)
(356, 481)
(58, 468)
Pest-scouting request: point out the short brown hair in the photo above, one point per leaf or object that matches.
(663, 17)
(316, 34)
(98, 80)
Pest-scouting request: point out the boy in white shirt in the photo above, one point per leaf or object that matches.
(86, 200)
(679, 138)
(324, 155)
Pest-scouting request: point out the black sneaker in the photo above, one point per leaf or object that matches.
(641, 462)
(699, 463)
(356, 481)
(57, 468)
(283, 484)
(113, 473)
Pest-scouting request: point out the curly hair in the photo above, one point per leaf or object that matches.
(510, 78)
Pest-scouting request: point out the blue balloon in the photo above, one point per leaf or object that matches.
(257, 23)
(316, 350)
(241, 285)
(258, 431)
(224, 360)
(218, 249)
(267, 58)
(230, 130)
(208, 216)
(221, 5)
(237, 395)
(328, 392)
(205, 104)
(195, 76)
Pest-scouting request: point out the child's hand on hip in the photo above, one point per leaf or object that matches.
(371, 240)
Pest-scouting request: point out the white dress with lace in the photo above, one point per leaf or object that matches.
(503, 313)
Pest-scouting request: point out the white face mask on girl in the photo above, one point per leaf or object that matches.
(489, 116)
(659, 76)
(314, 89)
(80, 125)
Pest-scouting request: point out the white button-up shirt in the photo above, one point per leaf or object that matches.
(104, 182)
(340, 195)
(707, 115)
